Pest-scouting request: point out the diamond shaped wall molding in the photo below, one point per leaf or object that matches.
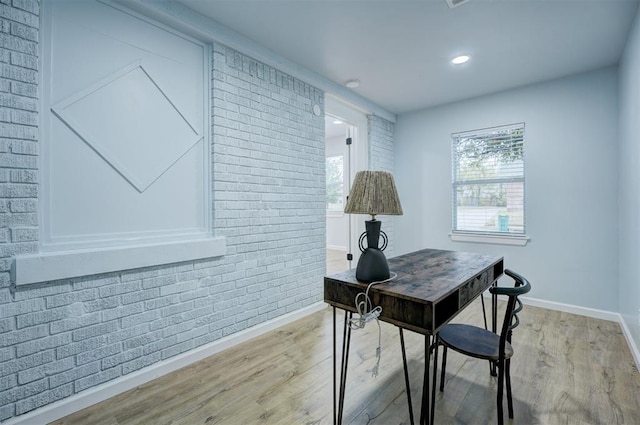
(129, 121)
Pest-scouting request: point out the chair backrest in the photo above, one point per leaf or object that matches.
(514, 305)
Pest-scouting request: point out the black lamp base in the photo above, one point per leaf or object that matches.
(372, 266)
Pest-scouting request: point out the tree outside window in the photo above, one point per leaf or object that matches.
(488, 180)
(335, 183)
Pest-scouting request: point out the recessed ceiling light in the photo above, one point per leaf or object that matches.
(458, 60)
(352, 84)
(337, 122)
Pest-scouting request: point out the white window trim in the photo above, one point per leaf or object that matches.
(489, 239)
(496, 238)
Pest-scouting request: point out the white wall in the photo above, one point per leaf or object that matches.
(571, 183)
(629, 176)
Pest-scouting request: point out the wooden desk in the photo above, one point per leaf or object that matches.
(432, 287)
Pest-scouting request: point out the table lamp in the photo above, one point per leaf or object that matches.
(373, 192)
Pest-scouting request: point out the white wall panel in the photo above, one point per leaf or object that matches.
(126, 154)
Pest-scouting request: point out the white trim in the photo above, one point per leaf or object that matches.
(358, 155)
(103, 149)
(635, 352)
(587, 312)
(573, 309)
(48, 266)
(490, 239)
(102, 392)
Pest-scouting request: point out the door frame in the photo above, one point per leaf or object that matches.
(358, 157)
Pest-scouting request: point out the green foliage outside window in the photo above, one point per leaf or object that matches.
(335, 192)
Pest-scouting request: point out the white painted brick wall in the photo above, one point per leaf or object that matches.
(381, 158)
(60, 338)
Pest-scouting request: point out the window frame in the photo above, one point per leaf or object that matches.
(488, 236)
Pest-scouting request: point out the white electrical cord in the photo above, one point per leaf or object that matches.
(367, 313)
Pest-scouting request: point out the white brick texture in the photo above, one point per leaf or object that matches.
(60, 338)
(381, 158)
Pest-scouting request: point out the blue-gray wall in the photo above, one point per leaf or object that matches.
(571, 190)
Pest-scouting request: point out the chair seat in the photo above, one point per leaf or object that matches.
(473, 341)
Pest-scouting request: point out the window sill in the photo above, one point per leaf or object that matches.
(49, 266)
(490, 239)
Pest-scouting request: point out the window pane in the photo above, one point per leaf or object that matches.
(335, 194)
(488, 180)
(495, 207)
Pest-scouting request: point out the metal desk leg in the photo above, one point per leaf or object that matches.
(334, 368)
(435, 375)
(424, 411)
(484, 312)
(406, 375)
(494, 323)
(346, 340)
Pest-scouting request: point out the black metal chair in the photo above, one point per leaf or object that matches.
(483, 344)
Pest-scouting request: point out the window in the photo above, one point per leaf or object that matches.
(488, 181)
(335, 191)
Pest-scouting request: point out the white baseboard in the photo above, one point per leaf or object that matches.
(632, 345)
(102, 392)
(574, 309)
(588, 312)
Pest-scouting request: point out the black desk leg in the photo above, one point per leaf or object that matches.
(346, 340)
(406, 375)
(424, 411)
(435, 375)
(335, 420)
(494, 324)
(484, 312)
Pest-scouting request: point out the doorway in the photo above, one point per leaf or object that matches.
(345, 151)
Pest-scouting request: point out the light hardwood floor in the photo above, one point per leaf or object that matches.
(567, 369)
(336, 261)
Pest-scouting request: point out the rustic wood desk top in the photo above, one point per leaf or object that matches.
(431, 288)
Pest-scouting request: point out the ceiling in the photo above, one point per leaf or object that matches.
(400, 50)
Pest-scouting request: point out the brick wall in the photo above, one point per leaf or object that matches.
(60, 338)
(381, 158)
(20, 323)
(269, 185)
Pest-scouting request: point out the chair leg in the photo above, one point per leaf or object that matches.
(500, 389)
(444, 367)
(508, 379)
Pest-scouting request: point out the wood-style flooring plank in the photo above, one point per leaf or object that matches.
(567, 369)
